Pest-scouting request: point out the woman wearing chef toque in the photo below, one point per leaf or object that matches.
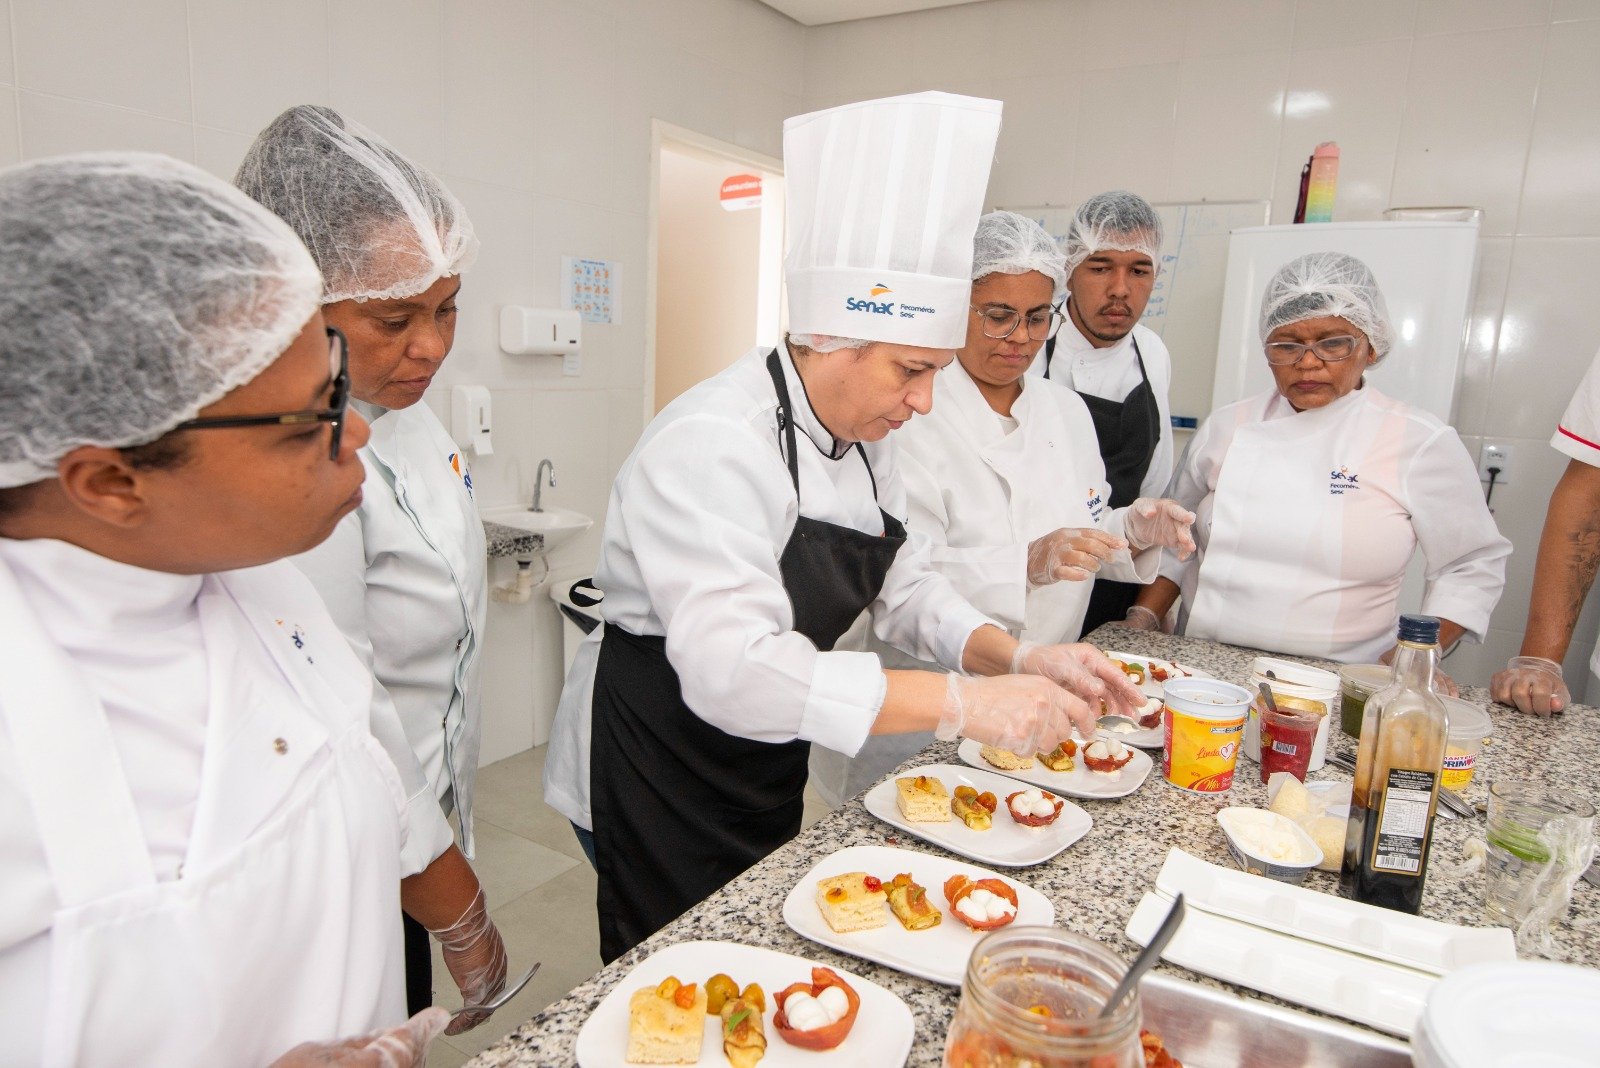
(1313, 496)
(759, 515)
(202, 840)
(1005, 478)
(406, 574)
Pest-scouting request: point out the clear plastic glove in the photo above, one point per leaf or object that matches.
(1531, 684)
(476, 958)
(1021, 713)
(1141, 618)
(1085, 671)
(1071, 554)
(405, 1046)
(1157, 521)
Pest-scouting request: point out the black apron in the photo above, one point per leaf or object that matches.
(679, 806)
(1129, 431)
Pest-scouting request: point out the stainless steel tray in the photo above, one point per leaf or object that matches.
(1208, 1028)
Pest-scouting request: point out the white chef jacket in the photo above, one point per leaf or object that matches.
(219, 869)
(982, 493)
(1578, 436)
(698, 517)
(406, 578)
(1306, 521)
(1113, 373)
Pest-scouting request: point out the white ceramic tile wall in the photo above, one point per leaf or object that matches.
(538, 114)
(1494, 103)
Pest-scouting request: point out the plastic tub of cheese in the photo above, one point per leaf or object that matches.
(1265, 843)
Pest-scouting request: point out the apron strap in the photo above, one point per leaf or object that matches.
(67, 765)
(786, 426)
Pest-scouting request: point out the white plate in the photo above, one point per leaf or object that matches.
(1153, 737)
(882, 1035)
(1079, 782)
(1148, 738)
(1396, 937)
(1007, 843)
(1382, 996)
(938, 953)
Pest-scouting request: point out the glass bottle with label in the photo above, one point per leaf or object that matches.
(1403, 733)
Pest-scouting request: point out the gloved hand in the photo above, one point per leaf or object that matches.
(1141, 618)
(405, 1046)
(1441, 682)
(1071, 554)
(476, 958)
(1085, 671)
(1531, 684)
(1152, 521)
(1022, 713)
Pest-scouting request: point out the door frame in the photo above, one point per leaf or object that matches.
(660, 133)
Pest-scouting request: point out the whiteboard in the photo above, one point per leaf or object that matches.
(1185, 306)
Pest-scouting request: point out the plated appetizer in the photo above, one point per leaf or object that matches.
(910, 905)
(1034, 807)
(1106, 756)
(1005, 759)
(817, 1015)
(852, 902)
(744, 1035)
(1060, 758)
(976, 810)
(982, 904)
(666, 1023)
(923, 799)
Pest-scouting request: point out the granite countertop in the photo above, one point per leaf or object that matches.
(510, 541)
(1095, 884)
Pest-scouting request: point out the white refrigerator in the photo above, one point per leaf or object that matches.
(1426, 271)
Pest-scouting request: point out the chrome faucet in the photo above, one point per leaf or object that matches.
(538, 482)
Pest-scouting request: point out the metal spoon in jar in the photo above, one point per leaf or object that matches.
(1147, 956)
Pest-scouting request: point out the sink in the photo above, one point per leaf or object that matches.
(553, 527)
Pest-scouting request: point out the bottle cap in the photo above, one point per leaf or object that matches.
(1419, 630)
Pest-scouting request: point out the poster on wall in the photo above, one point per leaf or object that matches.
(591, 287)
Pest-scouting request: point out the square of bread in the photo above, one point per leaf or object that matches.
(854, 908)
(1005, 759)
(659, 1032)
(922, 799)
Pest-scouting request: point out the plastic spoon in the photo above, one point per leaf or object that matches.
(1147, 956)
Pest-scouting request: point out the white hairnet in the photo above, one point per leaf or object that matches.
(1327, 283)
(826, 342)
(134, 290)
(378, 225)
(1008, 243)
(1117, 221)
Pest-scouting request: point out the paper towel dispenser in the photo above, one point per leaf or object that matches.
(540, 331)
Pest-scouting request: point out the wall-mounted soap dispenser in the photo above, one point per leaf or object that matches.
(470, 422)
(542, 332)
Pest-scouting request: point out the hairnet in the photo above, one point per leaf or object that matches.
(1115, 221)
(820, 343)
(1328, 283)
(1008, 243)
(378, 225)
(134, 290)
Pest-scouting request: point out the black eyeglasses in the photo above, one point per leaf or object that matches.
(338, 366)
(1000, 321)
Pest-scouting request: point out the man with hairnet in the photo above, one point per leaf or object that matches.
(1004, 477)
(406, 574)
(1119, 368)
(202, 840)
(1314, 495)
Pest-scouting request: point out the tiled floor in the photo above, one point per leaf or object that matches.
(541, 892)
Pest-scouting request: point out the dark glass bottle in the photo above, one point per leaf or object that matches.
(1398, 764)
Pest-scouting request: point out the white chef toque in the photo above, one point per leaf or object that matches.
(883, 201)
